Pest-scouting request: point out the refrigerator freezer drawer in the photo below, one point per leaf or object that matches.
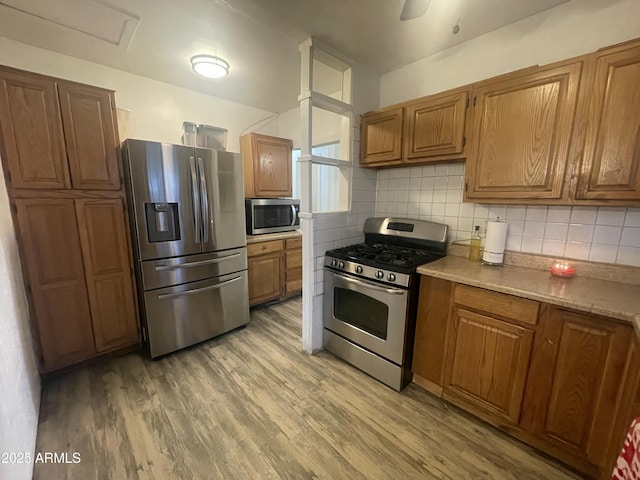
(179, 270)
(184, 315)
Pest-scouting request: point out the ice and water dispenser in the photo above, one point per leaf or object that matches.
(163, 224)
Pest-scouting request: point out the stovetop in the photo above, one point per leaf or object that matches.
(392, 250)
(389, 257)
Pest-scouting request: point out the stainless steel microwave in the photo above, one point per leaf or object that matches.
(271, 215)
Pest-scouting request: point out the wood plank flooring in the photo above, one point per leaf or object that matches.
(252, 405)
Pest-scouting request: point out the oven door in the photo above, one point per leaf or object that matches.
(369, 314)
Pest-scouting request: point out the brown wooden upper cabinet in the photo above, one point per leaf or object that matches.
(565, 133)
(267, 166)
(90, 134)
(434, 126)
(610, 165)
(381, 136)
(32, 144)
(520, 136)
(57, 134)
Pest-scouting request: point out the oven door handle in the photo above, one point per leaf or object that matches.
(364, 284)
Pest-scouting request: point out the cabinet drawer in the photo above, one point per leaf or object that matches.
(294, 243)
(515, 308)
(293, 259)
(293, 286)
(260, 248)
(293, 275)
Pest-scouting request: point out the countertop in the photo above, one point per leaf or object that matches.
(265, 237)
(603, 297)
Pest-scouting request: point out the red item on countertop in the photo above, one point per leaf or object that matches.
(628, 463)
(563, 270)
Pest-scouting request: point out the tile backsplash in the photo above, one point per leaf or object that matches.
(434, 192)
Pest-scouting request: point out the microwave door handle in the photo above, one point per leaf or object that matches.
(295, 215)
(205, 202)
(197, 216)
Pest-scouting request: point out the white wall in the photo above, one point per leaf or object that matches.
(157, 109)
(571, 29)
(19, 380)
(157, 112)
(434, 193)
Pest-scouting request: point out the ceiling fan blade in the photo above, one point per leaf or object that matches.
(414, 9)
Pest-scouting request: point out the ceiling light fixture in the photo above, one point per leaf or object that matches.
(414, 9)
(210, 66)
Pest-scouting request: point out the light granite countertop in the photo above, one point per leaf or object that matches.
(265, 237)
(603, 297)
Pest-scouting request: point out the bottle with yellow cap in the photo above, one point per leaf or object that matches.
(474, 246)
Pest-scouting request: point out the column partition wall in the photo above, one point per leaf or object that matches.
(326, 115)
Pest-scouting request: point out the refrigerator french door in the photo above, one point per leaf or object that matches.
(187, 213)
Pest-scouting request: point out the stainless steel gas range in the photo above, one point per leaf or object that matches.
(371, 292)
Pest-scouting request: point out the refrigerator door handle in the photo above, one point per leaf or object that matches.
(197, 216)
(204, 195)
(160, 268)
(197, 290)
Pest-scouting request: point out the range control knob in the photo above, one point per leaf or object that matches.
(334, 263)
(379, 274)
(341, 265)
(391, 277)
(358, 269)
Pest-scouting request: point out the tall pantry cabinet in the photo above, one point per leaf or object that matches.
(60, 158)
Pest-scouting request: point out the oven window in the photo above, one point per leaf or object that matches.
(271, 216)
(361, 311)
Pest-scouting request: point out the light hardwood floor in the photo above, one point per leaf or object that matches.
(252, 405)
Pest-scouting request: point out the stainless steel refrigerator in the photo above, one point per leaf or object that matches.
(188, 227)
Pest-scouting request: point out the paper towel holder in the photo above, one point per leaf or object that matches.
(495, 254)
(491, 264)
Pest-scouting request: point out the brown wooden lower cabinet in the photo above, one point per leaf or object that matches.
(486, 363)
(574, 380)
(293, 266)
(563, 381)
(105, 251)
(78, 277)
(53, 257)
(265, 278)
(275, 269)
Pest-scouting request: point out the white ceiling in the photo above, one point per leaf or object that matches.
(259, 38)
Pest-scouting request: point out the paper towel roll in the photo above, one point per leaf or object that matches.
(495, 242)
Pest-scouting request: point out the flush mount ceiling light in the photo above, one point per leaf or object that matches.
(414, 9)
(210, 66)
